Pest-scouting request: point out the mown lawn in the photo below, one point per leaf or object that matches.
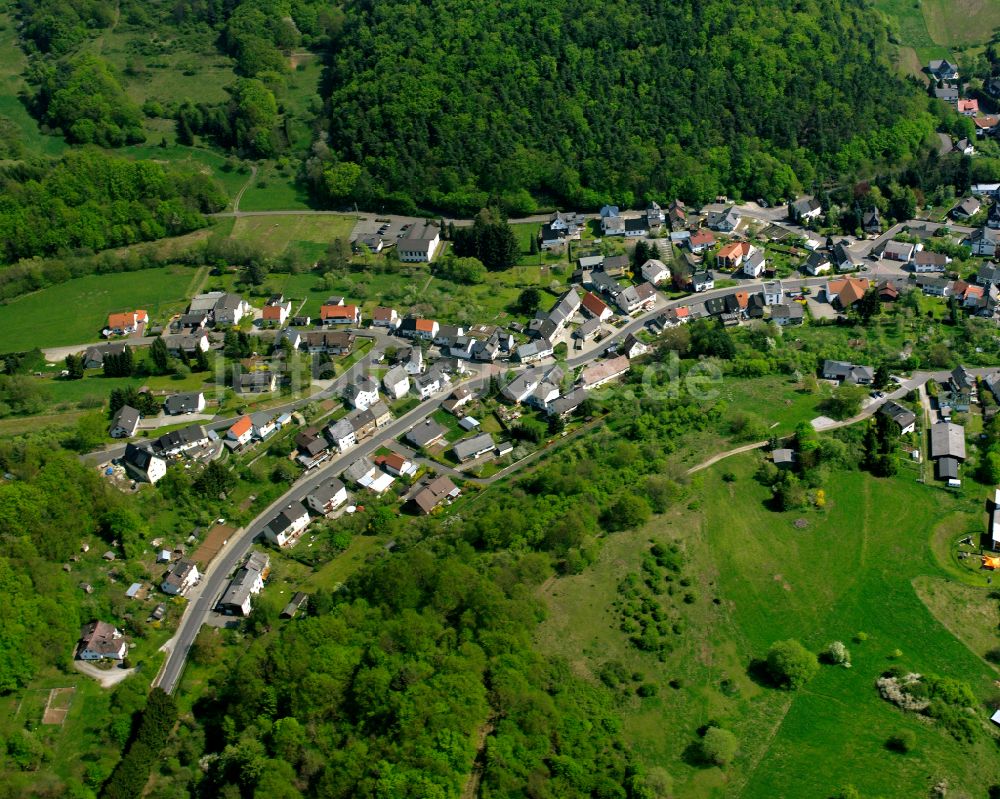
(274, 190)
(851, 569)
(74, 312)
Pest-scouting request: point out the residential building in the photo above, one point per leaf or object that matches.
(327, 496)
(339, 342)
(93, 357)
(385, 317)
(397, 465)
(229, 309)
(817, 263)
(361, 394)
(188, 343)
(447, 334)
(340, 434)
(731, 255)
(534, 350)
(431, 383)
(100, 640)
(841, 257)
(123, 324)
(636, 227)
(934, 286)
(241, 431)
(968, 207)
(725, 220)
(612, 226)
(844, 292)
(968, 107)
(947, 94)
(942, 70)
(588, 329)
(985, 125)
(700, 240)
(596, 307)
(414, 363)
(142, 464)
(178, 442)
(616, 265)
(983, 242)
(927, 261)
(472, 448)
(414, 327)
(568, 403)
(754, 264)
(677, 215)
(989, 274)
(340, 315)
(774, 292)
(426, 434)
(993, 217)
(654, 271)
(259, 382)
(905, 419)
(632, 347)
(437, 491)
(364, 473)
(792, 313)
(190, 402)
(125, 422)
(420, 243)
(871, 222)
(182, 576)
(702, 280)
(246, 584)
(286, 527)
(604, 372)
(804, 210)
(396, 382)
(844, 372)
(276, 310)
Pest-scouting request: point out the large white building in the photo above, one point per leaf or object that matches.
(420, 243)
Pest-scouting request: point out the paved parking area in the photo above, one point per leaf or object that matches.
(390, 228)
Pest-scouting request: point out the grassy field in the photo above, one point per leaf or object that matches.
(275, 234)
(759, 579)
(75, 311)
(960, 22)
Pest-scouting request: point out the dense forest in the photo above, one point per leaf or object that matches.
(585, 102)
(87, 200)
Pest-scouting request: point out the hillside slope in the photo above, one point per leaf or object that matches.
(583, 101)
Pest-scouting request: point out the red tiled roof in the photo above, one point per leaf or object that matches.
(272, 313)
(241, 426)
(702, 237)
(424, 325)
(338, 312)
(593, 303)
(381, 314)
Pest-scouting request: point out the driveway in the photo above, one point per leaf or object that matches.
(108, 678)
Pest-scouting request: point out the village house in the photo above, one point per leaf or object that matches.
(436, 492)
(125, 422)
(241, 432)
(700, 240)
(804, 209)
(123, 324)
(968, 107)
(190, 402)
(100, 640)
(900, 251)
(817, 263)
(596, 307)
(420, 243)
(246, 584)
(447, 334)
(327, 496)
(142, 464)
(905, 419)
(983, 242)
(942, 70)
(604, 372)
(927, 261)
(841, 257)
(792, 313)
(636, 227)
(286, 527)
(426, 434)
(414, 363)
(396, 382)
(187, 343)
(361, 394)
(276, 310)
(340, 434)
(340, 314)
(612, 225)
(844, 292)
(871, 222)
(259, 382)
(534, 350)
(654, 271)
(632, 347)
(724, 220)
(933, 286)
(179, 442)
(968, 207)
(471, 448)
(397, 465)
(385, 317)
(754, 264)
(844, 372)
(182, 576)
(364, 473)
(732, 255)
(339, 342)
(431, 383)
(702, 280)
(413, 327)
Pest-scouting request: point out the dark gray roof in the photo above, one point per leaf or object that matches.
(423, 434)
(138, 457)
(182, 403)
(127, 418)
(471, 446)
(947, 440)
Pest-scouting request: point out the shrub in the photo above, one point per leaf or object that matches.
(904, 741)
(719, 746)
(993, 656)
(838, 654)
(791, 665)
